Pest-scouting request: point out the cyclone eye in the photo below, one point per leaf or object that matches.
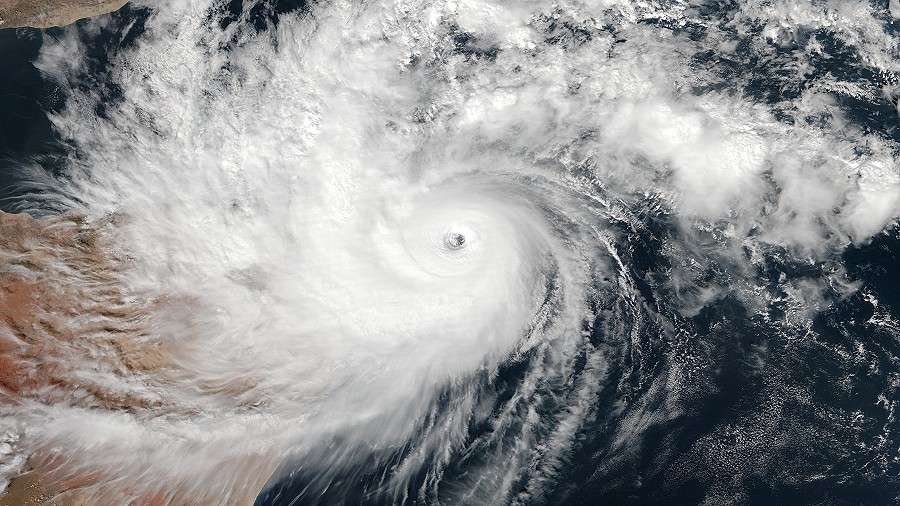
(455, 241)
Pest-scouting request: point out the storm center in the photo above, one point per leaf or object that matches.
(455, 240)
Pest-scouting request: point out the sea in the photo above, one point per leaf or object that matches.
(680, 279)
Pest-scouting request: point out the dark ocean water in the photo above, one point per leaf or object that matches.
(789, 415)
(793, 457)
(24, 126)
(25, 97)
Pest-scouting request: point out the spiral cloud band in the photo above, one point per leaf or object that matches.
(423, 245)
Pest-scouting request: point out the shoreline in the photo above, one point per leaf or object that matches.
(50, 13)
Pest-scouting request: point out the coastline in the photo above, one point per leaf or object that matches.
(50, 13)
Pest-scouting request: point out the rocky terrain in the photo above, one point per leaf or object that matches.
(47, 13)
(71, 334)
(60, 307)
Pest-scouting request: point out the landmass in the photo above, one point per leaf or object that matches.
(53, 270)
(64, 307)
(48, 13)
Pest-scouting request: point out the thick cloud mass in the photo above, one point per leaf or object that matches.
(647, 192)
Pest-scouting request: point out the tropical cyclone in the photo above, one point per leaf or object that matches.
(47, 13)
(431, 252)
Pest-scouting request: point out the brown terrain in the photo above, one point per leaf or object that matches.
(63, 308)
(47, 13)
(62, 305)
(59, 306)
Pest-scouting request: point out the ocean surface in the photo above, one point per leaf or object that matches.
(677, 283)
